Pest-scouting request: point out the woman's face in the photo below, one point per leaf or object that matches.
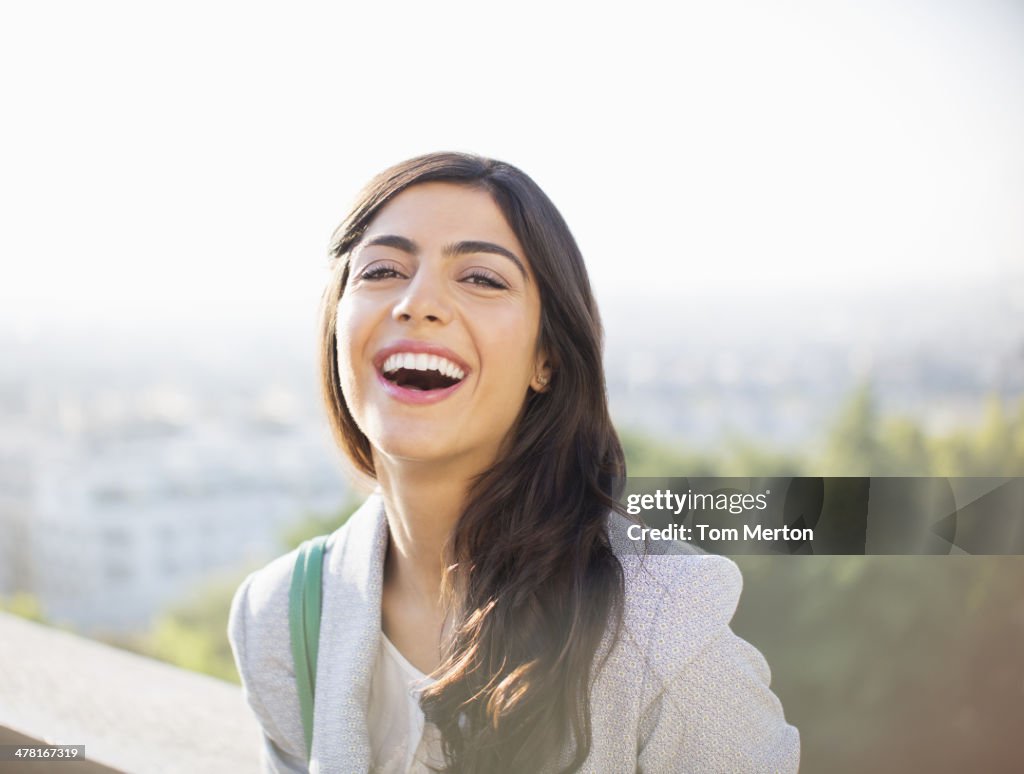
(437, 327)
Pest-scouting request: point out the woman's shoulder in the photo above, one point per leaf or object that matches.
(678, 598)
(258, 627)
(259, 609)
(675, 573)
(260, 642)
(705, 693)
(260, 638)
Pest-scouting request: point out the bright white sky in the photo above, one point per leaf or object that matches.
(190, 161)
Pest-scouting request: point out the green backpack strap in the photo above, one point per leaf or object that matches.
(304, 622)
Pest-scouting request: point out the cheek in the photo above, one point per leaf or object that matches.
(514, 346)
(347, 335)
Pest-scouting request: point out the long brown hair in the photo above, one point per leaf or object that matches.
(532, 581)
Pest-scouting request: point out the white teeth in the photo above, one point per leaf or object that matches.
(421, 361)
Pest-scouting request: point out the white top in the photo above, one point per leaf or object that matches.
(401, 742)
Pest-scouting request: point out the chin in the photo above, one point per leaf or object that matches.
(402, 445)
(432, 450)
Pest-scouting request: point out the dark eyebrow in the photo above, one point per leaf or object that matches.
(391, 240)
(406, 245)
(475, 246)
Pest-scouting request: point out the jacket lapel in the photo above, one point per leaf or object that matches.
(349, 639)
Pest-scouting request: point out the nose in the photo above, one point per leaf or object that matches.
(424, 299)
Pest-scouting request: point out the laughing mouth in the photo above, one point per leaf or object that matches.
(420, 371)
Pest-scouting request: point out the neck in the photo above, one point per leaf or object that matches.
(422, 504)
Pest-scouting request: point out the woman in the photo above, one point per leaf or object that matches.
(484, 610)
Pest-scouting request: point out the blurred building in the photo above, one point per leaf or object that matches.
(121, 507)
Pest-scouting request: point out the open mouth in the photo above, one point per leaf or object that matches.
(418, 371)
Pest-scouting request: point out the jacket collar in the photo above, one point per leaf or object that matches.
(350, 630)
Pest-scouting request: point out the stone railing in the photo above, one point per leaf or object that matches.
(133, 714)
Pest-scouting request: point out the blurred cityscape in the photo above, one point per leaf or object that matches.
(775, 368)
(132, 470)
(136, 464)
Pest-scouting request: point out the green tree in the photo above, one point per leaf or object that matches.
(994, 448)
(904, 449)
(650, 458)
(193, 635)
(314, 524)
(852, 446)
(24, 605)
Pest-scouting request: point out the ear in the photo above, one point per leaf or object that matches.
(542, 371)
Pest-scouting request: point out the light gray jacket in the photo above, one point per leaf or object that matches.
(680, 692)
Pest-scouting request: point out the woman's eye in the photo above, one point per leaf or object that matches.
(485, 280)
(384, 271)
